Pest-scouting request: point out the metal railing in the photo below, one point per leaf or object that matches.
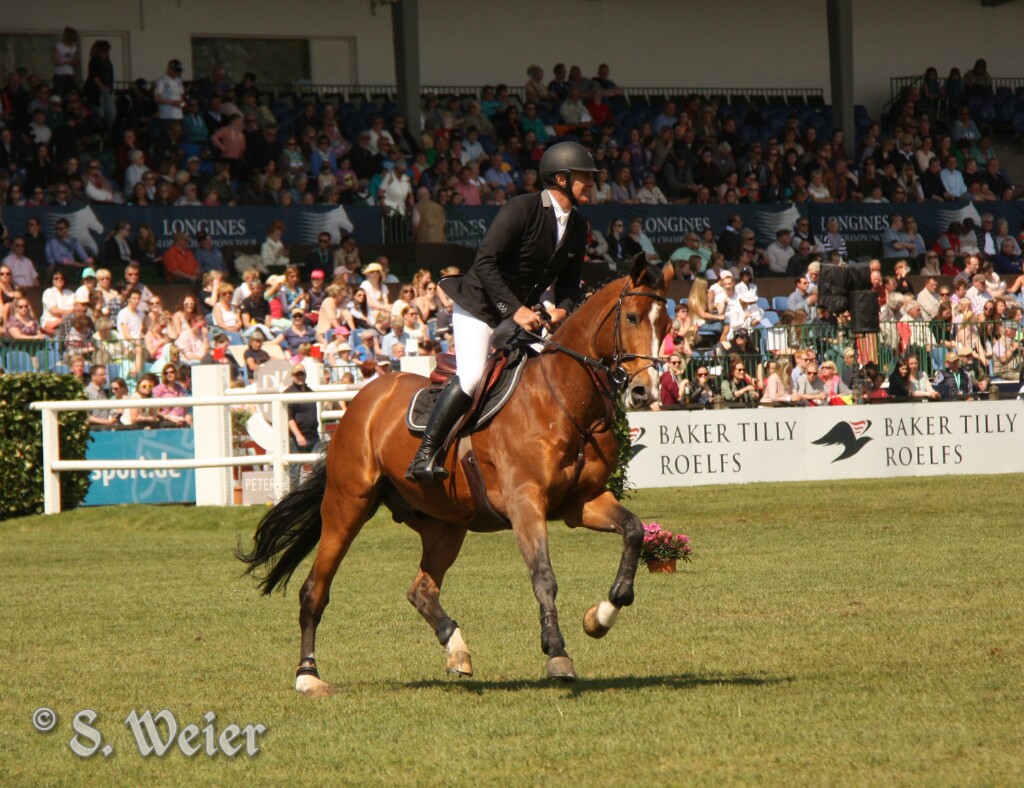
(995, 344)
(388, 92)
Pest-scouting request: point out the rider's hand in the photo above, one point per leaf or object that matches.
(558, 315)
(527, 318)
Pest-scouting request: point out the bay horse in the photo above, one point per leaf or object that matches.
(547, 454)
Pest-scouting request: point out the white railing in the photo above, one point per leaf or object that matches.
(212, 481)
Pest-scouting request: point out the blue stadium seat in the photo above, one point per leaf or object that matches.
(780, 303)
(763, 304)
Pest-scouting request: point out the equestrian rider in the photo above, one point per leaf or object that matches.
(535, 239)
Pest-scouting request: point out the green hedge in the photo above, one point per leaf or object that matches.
(21, 442)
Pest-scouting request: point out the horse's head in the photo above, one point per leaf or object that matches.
(640, 322)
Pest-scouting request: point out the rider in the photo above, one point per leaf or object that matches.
(535, 239)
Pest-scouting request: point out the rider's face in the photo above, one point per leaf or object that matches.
(582, 183)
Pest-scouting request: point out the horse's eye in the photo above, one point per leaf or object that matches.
(632, 319)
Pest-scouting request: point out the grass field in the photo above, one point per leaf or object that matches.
(846, 633)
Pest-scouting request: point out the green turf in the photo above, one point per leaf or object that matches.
(846, 633)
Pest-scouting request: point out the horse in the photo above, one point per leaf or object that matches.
(548, 453)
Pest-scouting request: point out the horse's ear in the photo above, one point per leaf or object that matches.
(638, 271)
(668, 273)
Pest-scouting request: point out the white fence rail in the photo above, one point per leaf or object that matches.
(210, 420)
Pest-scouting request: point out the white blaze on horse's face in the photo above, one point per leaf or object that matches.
(642, 388)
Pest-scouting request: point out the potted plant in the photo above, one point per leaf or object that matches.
(662, 548)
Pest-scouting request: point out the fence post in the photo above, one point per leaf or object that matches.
(212, 429)
(51, 452)
(279, 425)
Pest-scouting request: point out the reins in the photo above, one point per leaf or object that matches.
(616, 373)
(607, 379)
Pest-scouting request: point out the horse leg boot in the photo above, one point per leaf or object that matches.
(428, 464)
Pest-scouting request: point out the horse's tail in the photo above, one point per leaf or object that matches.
(288, 532)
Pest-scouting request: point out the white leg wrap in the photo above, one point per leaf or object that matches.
(456, 643)
(606, 614)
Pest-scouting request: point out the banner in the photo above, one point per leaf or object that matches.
(736, 446)
(467, 225)
(244, 225)
(137, 486)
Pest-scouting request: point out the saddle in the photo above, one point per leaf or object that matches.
(501, 376)
(502, 372)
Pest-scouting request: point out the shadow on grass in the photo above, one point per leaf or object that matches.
(681, 681)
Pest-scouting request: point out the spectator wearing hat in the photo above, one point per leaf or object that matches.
(169, 92)
(316, 294)
(377, 296)
(303, 424)
(952, 382)
(85, 290)
(209, 257)
(297, 333)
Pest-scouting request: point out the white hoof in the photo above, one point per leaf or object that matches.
(459, 661)
(312, 687)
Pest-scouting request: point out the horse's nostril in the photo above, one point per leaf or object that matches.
(639, 391)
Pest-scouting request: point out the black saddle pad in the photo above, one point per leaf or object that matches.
(494, 400)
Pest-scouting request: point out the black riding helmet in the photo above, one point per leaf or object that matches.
(565, 157)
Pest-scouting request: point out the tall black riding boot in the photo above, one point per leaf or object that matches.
(428, 464)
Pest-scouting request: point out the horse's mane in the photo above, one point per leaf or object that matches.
(584, 318)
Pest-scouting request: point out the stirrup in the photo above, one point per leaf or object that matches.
(427, 469)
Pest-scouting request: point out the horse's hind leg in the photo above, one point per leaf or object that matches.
(343, 518)
(441, 545)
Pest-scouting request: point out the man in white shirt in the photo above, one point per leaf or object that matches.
(928, 298)
(169, 92)
(23, 272)
(779, 252)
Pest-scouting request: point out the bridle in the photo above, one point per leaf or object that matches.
(615, 372)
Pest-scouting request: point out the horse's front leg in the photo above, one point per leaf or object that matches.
(529, 523)
(605, 513)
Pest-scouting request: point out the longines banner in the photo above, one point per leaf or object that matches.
(238, 226)
(669, 223)
(688, 448)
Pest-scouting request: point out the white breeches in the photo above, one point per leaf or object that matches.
(472, 344)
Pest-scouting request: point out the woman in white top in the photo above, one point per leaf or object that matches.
(377, 297)
(274, 253)
(65, 60)
(602, 191)
(224, 315)
(58, 301)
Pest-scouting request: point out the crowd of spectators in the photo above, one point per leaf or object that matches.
(75, 140)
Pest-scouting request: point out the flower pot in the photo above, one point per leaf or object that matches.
(662, 567)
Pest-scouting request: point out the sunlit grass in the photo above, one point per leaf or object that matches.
(851, 632)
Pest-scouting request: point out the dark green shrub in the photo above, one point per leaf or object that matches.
(21, 442)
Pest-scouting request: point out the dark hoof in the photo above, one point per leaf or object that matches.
(561, 668)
